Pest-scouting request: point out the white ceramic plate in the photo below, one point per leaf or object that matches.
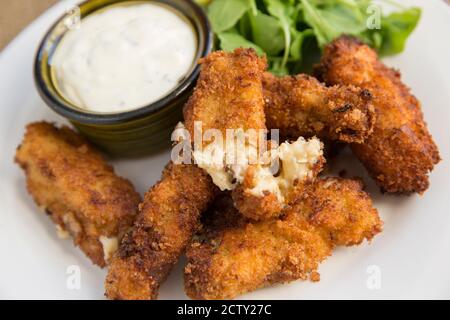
(410, 259)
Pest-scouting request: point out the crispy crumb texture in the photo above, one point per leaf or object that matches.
(400, 152)
(263, 194)
(302, 106)
(77, 189)
(232, 256)
(228, 94)
(167, 218)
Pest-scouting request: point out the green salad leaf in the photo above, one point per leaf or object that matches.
(395, 30)
(266, 32)
(334, 18)
(230, 41)
(292, 33)
(282, 11)
(224, 14)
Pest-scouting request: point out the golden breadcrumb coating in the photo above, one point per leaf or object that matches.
(342, 209)
(77, 188)
(255, 207)
(302, 106)
(228, 94)
(232, 256)
(167, 218)
(230, 260)
(400, 152)
(228, 90)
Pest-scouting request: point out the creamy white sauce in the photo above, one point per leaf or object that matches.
(124, 57)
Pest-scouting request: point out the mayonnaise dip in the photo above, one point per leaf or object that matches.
(124, 57)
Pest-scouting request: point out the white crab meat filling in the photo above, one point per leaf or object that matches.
(212, 159)
(110, 245)
(61, 232)
(264, 182)
(297, 161)
(227, 162)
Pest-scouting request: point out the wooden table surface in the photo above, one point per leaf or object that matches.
(17, 14)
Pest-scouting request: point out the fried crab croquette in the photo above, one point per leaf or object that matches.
(77, 189)
(167, 218)
(170, 213)
(301, 106)
(233, 256)
(300, 163)
(229, 95)
(171, 210)
(400, 152)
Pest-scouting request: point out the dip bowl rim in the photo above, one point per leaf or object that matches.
(60, 105)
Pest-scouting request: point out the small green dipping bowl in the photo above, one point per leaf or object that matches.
(131, 133)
